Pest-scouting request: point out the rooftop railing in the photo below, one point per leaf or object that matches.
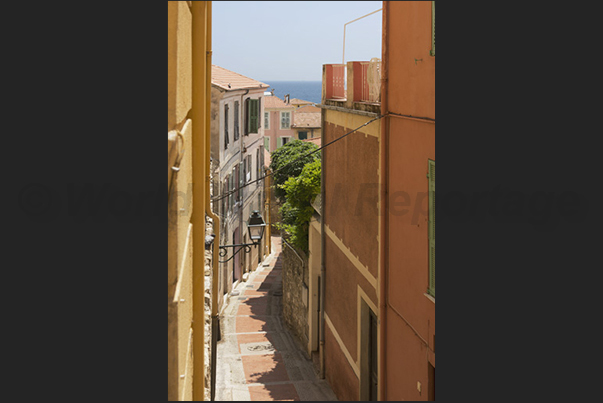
(362, 85)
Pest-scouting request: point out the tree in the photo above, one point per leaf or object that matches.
(297, 211)
(284, 165)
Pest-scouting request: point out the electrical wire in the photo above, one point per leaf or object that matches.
(291, 162)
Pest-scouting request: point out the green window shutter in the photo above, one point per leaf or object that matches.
(279, 142)
(236, 120)
(246, 115)
(432, 53)
(226, 126)
(431, 175)
(253, 118)
(267, 143)
(259, 112)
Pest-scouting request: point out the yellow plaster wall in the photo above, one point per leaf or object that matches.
(180, 246)
(352, 121)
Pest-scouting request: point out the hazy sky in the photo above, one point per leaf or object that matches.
(291, 40)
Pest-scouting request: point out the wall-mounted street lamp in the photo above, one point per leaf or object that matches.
(255, 226)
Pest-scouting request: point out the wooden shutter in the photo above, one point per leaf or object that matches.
(236, 121)
(246, 123)
(253, 116)
(226, 126)
(431, 175)
(230, 195)
(259, 112)
(267, 143)
(239, 181)
(279, 142)
(245, 168)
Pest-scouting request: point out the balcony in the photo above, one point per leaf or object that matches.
(361, 90)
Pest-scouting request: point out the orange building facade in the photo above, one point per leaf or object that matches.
(377, 279)
(408, 225)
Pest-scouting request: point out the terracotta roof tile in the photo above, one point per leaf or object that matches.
(272, 101)
(302, 120)
(222, 77)
(297, 101)
(315, 140)
(308, 109)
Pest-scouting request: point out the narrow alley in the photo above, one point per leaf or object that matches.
(257, 357)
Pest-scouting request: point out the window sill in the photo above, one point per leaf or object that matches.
(429, 297)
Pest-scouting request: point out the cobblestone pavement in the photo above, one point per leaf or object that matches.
(257, 359)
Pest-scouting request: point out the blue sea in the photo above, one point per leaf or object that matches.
(306, 90)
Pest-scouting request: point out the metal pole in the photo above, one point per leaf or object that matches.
(344, 26)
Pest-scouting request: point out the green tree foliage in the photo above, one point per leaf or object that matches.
(297, 211)
(284, 166)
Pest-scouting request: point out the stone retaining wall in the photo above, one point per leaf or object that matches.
(295, 293)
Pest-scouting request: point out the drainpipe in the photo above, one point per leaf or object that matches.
(200, 28)
(383, 236)
(321, 348)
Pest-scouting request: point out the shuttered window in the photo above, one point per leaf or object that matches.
(261, 162)
(432, 29)
(279, 142)
(230, 188)
(259, 113)
(431, 175)
(285, 120)
(225, 199)
(267, 143)
(253, 115)
(257, 165)
(236, 121)
(226, 126)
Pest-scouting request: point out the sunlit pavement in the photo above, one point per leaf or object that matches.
(257, 357)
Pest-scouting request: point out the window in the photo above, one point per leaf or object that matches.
(230, 188)
(261, 171)
(281, 141)
(431, 229)
(226, 126)
(238, 181)
(257, 166)
(248, 171)
(252, 114)
(225, 199)
(267, 143)
(285, 120)
(245, 169)
(266, 120)
(432, 52)
(236, 121)
(303, 135)
(259, 112)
